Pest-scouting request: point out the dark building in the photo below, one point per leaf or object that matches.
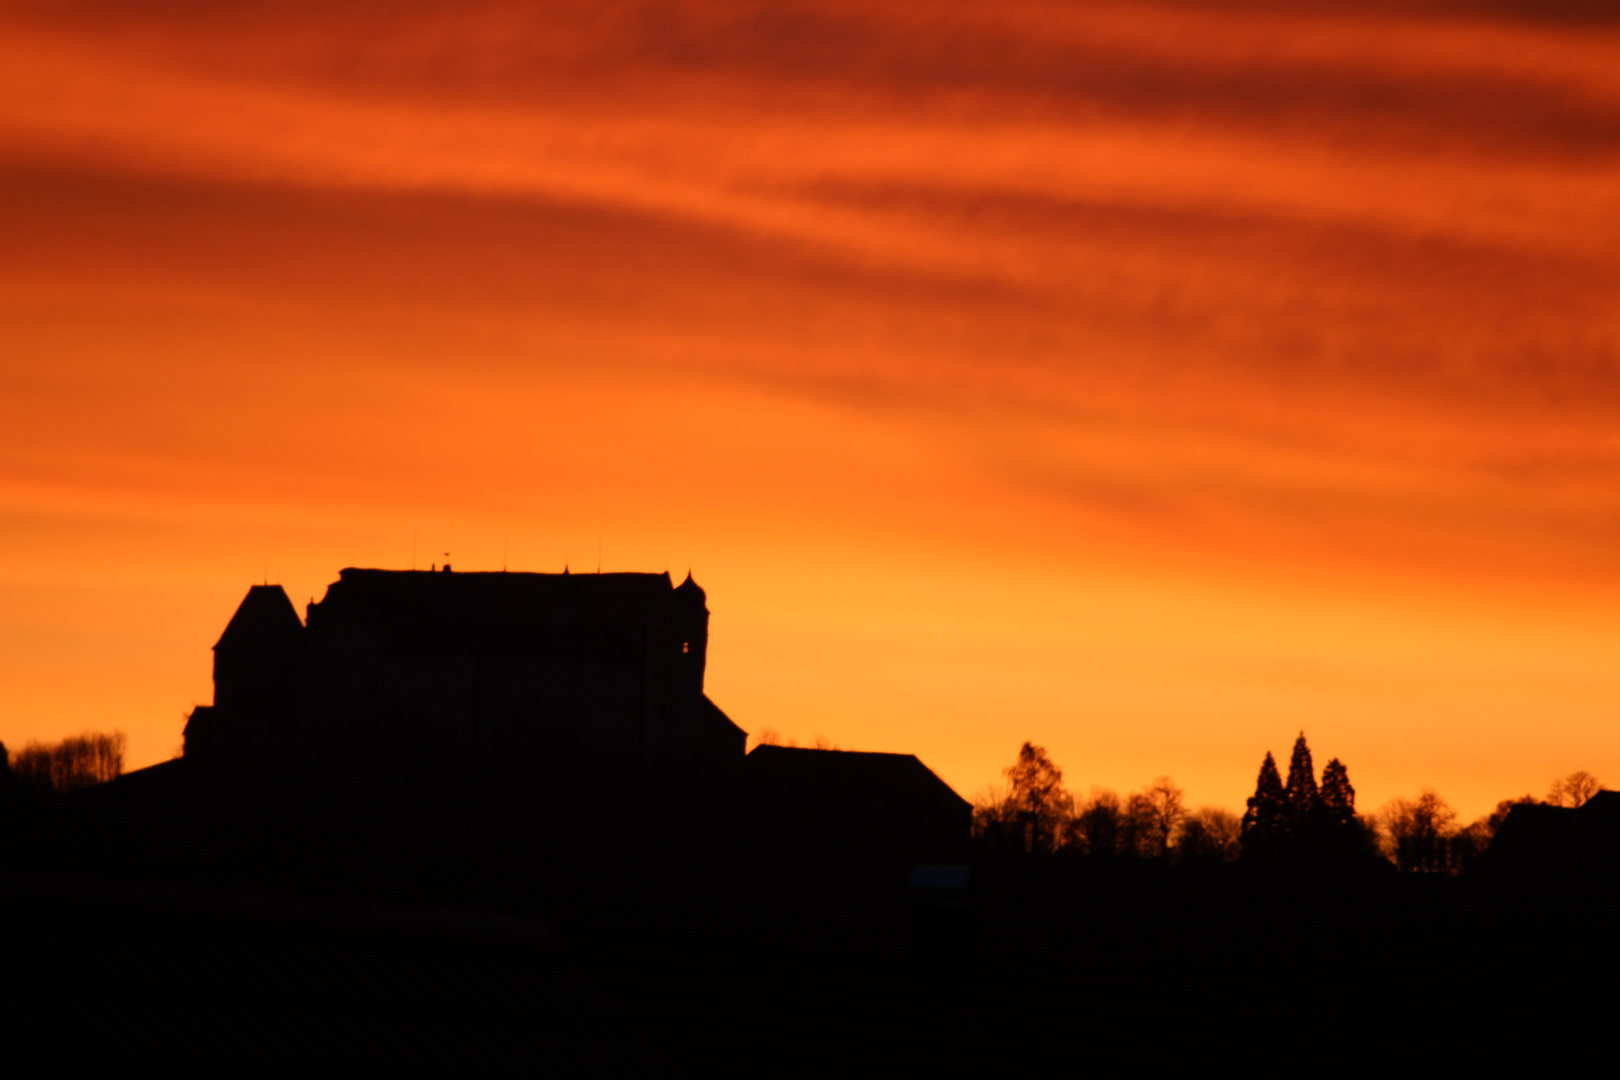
(1542, 843)
(860, 803)
(484, 664)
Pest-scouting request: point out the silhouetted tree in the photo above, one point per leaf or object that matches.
(74, 763)
(994, 823)
(8, 790)
(1210, 834)
(1163, 811)
(1138, 833)
(1419, 833)
(1300, 795)
(1097, 827)
(1337, 798)
(1039, 804)
(1467, 845)
(1033, 814)
(1338, 833)
(1574, 790)
(1265, 821)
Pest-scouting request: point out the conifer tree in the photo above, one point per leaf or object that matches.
(1301, 790)
(1265, 819)
(1338, 797)
(1339, 833)
(1301, 794)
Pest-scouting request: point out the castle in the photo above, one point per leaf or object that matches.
(479, 664)
(556, 672)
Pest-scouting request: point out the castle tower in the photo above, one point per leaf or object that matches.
(689, 621)
(254, 656)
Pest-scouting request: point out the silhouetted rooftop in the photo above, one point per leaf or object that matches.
(444, 596)
(832, 770)
(265, 616)
(1605, 804)
(1541, 840)
(715, 720)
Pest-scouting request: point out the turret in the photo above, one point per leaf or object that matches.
(689, 621)
(252, 659)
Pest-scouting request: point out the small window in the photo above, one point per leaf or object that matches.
(686, 646)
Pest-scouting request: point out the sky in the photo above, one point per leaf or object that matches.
(1149, 381)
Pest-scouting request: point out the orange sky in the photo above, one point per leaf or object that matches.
(1149, 381)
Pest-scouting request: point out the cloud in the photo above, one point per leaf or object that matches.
(1357, 239)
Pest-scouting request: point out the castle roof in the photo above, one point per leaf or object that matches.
(265, 617)
(848, 771)
(717, 723)
(488, 598)
(690, 588)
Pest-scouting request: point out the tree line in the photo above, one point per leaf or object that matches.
(1294, 820)
(1288, 820)
(61, 768)
(1035, 815)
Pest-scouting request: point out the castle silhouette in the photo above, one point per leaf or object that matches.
(475, 664)
(563, 670)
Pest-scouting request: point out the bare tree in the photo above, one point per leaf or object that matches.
(993, 817)
(1097, 827)
(1576, 789)
(72, 764)
(1210, 834)
(1138, 833)
(1418, 832)
(1039, 803)
(1164, 811)
(1033, 813)
(8, 778)
(1467, 845)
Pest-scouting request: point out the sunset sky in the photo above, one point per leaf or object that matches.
(1149, 381)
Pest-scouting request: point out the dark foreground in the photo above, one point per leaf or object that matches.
(264, 927)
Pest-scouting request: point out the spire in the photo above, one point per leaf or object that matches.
(690, 589)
